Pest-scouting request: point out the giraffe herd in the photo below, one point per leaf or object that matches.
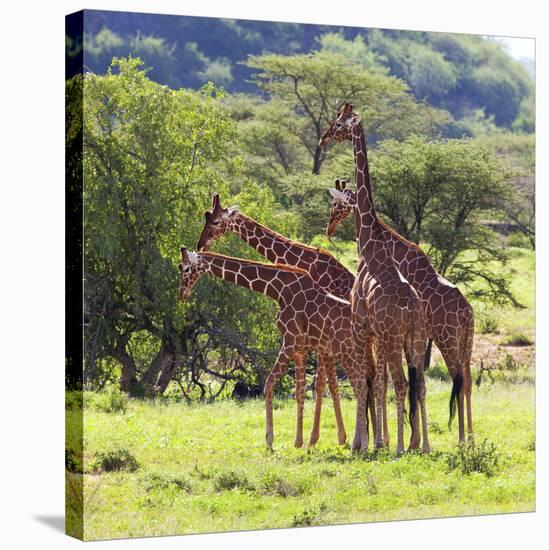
(397, 302)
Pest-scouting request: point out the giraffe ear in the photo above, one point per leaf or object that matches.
(216, 204)
(208, 215)
(233, 211)
(180, 266)
(184, 254)
(338, 195)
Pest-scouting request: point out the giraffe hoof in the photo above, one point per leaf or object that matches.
(298, 443)
(342, 439)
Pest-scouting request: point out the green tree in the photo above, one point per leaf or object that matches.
(437, 193)
(152, 158)
(313, 86)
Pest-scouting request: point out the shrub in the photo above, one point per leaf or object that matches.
(489, 325)
(73, 400)
(483, 458)
(114, 461)
(73, 462)
(166, 481)
(110, 400)
(309, 516)
(272, 484)
(226, 481)
(438, 371)
(516, 339)
(518, 240)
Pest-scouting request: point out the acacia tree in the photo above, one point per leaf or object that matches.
(152, 157)
(436, 193)
(312, 86)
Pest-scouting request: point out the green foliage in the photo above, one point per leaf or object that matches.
(488, 325)
(309, 516)
(152, 158)
(226, 481)
(111, 400)
(516, 339)
(114, 461)
(73, 461)
(435, 193)
(483, 458)
(168, 481)
(314, 85)
(438, 370)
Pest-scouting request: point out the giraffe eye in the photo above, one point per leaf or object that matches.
(215, 222)
(186, 268)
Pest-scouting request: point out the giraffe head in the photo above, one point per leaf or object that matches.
(191, 269)
(216, 224)
(341, 128)
(343, 203)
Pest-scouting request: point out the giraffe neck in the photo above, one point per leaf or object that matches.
(270, 244)
(371, 242)
(272, 280)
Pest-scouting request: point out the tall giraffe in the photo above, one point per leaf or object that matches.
(450, 319)
(309, 319)
(322, 267)
(383, 303)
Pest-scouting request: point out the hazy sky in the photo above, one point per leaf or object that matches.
(519, 47)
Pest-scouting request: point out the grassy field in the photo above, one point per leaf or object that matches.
(159, 468)
(205, 468)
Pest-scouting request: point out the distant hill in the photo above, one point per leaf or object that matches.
(465, 74)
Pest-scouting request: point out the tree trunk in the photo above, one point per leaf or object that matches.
(128, 379)
(317, 160)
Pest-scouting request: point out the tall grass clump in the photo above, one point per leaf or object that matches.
(468, 458)
(116, 460)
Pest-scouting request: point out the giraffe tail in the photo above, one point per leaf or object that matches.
(415, 360)
(456, 389)
(464, 364)
(412, 392)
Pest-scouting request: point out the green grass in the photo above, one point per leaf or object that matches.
(204, 468)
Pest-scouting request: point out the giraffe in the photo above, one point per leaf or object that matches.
(450, 318)
(322, 267)
(383, 303)
(309, 319)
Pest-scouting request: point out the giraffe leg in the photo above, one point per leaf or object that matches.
(422, 392)
(386, 438)
(360, 441)
(278, 370)
(360, 387)
(320, 385)
(300, 380)
(394, 361)
(379, 390)
(334, 392)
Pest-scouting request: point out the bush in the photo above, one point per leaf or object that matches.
(519, 240)
(489, 325)
(309, 516)
(438, 371)
(469, 458)
(166, 481)
(114, 461)
(73, 462)
(73, 400)
(226, 481)
(111, 400)
(273, 484)
(517, 339)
